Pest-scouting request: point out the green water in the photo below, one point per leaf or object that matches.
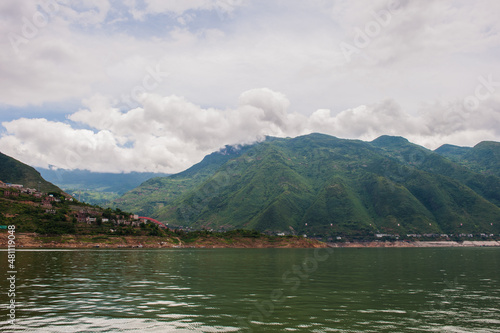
(259, 290)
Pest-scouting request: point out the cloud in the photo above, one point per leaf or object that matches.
(84, 12)
(179, 7)
(426, 50)
(169, 134)
(157, 82)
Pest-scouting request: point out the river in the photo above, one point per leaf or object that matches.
(255, 290)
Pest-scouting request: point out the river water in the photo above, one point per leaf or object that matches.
(255, 290)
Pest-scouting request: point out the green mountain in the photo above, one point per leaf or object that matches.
(483, 157)
(157, 192)
(452, 152)
(319, 184)
(15, 172)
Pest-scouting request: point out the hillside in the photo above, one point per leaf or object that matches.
(319, 184)
(156, 192)
(15, 172)
(482, 158)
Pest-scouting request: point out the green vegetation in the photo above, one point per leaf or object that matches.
(99, 196)
(483, 158)
(157, 192)
(321, 185)
(28, 214)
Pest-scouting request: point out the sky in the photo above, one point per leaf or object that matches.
(155, 85)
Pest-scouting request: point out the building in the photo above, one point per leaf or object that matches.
(47, 205)
(81, 216)
(9, 193)
(91, 220)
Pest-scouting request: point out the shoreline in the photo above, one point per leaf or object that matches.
(413, 244)
(32, 240)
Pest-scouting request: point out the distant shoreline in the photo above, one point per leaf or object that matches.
(388, 244)
(32, 240)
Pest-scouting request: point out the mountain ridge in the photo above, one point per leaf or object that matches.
(321, 184)
(483, 158)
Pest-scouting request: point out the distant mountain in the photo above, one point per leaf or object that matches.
(483, 157)
(16, 172)
(96, 187)
(319, 184)
(454, 153)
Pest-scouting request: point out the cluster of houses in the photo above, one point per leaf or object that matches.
(90, 216)
(14, 190)
(396, 236)
(432, 235)
(86, 215)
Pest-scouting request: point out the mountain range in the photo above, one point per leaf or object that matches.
(314, 184)
(483, 158)
(320, 184)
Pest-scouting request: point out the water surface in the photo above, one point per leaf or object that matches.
(260, 290)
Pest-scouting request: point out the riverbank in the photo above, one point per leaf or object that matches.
(33, 240)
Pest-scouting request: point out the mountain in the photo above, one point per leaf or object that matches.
(95, 187)
(319, 184)
(16, 172)
(454, 153)
(156, 192)
(483, 157)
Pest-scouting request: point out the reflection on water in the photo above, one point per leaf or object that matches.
(260, 290)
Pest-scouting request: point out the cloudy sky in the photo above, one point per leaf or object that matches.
(154, 85)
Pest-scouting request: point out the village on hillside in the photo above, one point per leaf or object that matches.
(27, 208)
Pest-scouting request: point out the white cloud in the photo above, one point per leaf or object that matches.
(410, 79)
(84, 12)
(179, 7)
(169, 134)
(427, 50)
